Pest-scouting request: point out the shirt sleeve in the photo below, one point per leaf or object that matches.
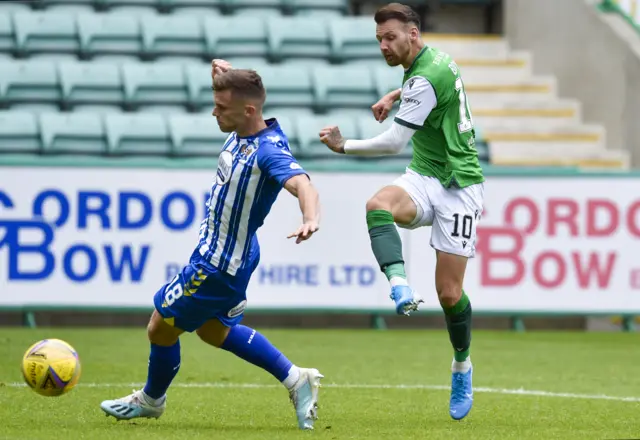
(275, 159)
(416, 102)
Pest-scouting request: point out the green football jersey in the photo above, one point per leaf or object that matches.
(434, 103)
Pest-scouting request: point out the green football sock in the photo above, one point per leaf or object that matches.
(458, 320)
(386, 243)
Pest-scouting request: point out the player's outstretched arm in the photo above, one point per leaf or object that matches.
(388, 143)
(300, 186)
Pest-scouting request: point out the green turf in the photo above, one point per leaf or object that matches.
(585, 363)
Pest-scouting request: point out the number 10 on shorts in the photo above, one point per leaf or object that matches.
(462, 225)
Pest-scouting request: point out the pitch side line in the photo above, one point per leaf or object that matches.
(505, 391)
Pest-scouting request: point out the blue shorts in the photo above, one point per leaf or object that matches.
(200, 292)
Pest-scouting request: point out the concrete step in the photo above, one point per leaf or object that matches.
(468, 45)
(583, 134)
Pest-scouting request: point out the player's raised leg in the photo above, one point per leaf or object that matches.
(251, 346)
(164, 363)
(390, 205)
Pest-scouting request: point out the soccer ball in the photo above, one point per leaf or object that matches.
(51, 367)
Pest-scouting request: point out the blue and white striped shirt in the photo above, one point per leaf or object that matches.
(251, 172)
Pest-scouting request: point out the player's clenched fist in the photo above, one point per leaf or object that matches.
(219, 66)
(332, 138)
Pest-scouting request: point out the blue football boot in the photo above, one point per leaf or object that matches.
(461, 394)
(406, 299)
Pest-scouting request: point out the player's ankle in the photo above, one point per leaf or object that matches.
(292, 378)
(153, 402)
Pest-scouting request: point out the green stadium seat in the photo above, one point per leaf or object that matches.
(313, 6)
(38, 32)
(162, 109)
(288, 126)
(137, 134)
(7, 41)
(343, 86)
(199, 85)
(72, 133)
(235, 5)
(141, 12)
(173, 35)
(14, 6)
(107, 4)
(293, 37)
(387, 78)
(235, 36)
(175, 5)
(29, 81)
(70, 9)
(354, 38)
(197, 11)
(264, 13)
(196, 135)
(97, 109)
(287, 87)
(368, 127)
(19, 133)
(36, 109)
(109, 34)
(156, 83)
(90, 83)
(46, 4)
(308, 128)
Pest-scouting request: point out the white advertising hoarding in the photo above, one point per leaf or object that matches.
(112, 237)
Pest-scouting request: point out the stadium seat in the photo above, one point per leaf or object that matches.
(387, 79)
(109, 34)
(137, 134)
(264, 13)
(72, 133)
(235, 5)
(235, 36)
(91, 83)
(343, 86)
(107, 4)
(97, 109)
(70, 9)
(19, 133)
(368, 127)
(36, 109)
(29, 81)
(175, 5)
(156, 83)
(196, 135)
(354, 38)
(197, 11)
(38, 32)
(173, 35)
(287, 87)
(308, 127)
(298, 37)
(14, 6)
(199, 85)
(314, 6)
(6, 33)
(46, 4)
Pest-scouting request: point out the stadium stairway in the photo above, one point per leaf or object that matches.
(521, 115)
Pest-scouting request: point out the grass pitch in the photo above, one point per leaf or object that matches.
(378, 385)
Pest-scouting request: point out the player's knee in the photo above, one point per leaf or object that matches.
(449, 293)
(161, 333)
(376, 203)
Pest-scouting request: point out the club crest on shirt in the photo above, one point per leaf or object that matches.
(245, 152)
(225, 165)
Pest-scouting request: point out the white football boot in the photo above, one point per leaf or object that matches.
(133, 406)
(304, 396)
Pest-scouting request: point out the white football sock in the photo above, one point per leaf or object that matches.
(153, 402)
(292, 378)
(398, 281)
(461, 367)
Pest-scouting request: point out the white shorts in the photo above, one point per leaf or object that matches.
(453, 213)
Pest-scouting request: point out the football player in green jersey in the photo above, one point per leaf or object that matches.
(443, 186)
